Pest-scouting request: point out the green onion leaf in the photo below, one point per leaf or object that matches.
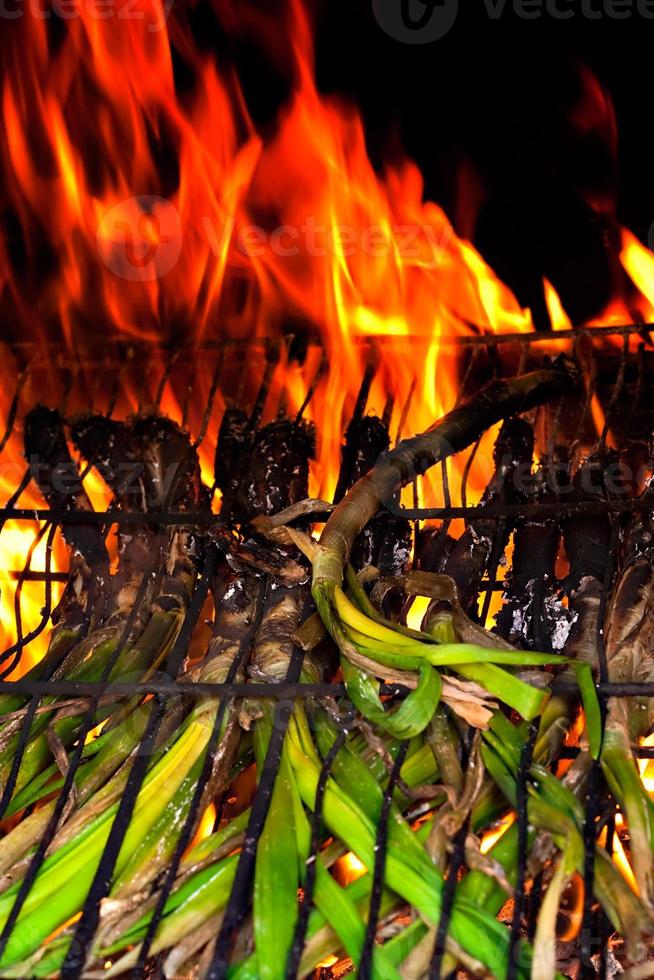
(414, 713)
(590, 702)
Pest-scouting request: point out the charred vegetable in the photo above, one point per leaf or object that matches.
(532, 615)
(278, 470)
(470, 555)
(365, 640)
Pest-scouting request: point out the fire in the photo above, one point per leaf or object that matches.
(574, 910)
(327, 963)
(638, 262)
(417, 612)
(23, 547)
(491, 837)
(348, 868)
(561, 321)
(619, 854)
(19, 541)
(205, 827)
(165, 215)
(559, 318)
(646, 767)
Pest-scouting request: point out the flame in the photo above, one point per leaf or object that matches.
(561, 321)
(638, 262)
(646, 766)
(558, 317)
(23, 548)
(95, 732)
(348, 868)
(328, 962)
(147, 210)
(417, 612)
(205, 827)
(619, 855)
(574, 912)
(491, 837)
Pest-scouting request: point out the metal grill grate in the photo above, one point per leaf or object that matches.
(617, 365)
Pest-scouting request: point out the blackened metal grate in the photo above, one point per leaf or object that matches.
(616, 363)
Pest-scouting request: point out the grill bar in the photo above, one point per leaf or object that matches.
(238, 899)
(310, 882)
(87, 925)
(381, 842)
(477, 337)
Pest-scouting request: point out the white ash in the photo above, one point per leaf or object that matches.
(561, 619)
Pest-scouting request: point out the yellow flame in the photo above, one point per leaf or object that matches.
(327, 962)
(575, 914)
(558, 316)
(17, 540)
(492, 836)
(417, 611)
(205, 827)
(646, 766)
(619, 856)
(206, 823)
(639, 264)
(348, 868)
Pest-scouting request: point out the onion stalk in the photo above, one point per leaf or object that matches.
(412, 457)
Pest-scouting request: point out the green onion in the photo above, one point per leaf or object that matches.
(414, 713)
(276, 876)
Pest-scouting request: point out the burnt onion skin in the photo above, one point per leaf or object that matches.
(413, 457)
(532, 615)
(471, 553)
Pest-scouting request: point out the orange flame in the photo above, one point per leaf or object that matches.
(205, 827)
(574, 911)
(492, 836)
(559, 318)
(348, 868)
(638, 262)
(619, 854)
